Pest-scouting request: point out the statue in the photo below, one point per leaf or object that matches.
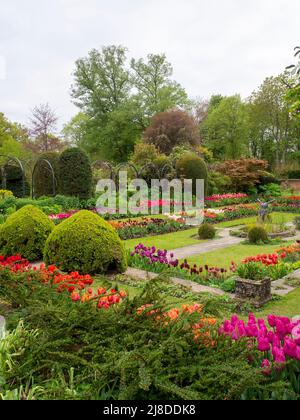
(264, 210)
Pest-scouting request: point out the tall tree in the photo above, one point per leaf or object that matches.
(171, 129)
(274, 133)
(102, 81)
(157, 92)
(43, 129)
(225, 131)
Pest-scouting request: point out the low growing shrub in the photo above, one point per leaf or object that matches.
(257, 234)
(207, 231)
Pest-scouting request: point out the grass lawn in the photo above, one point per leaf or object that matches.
(167, 241)
(276, 217)
(287, 306)
(188, 237)
(223, 257)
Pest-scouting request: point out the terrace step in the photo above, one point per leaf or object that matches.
(195, 287)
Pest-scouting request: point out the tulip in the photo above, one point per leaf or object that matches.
(263, 344)
(266, 366)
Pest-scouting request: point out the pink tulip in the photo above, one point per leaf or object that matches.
(272, 320)
(290, 347)
(263, 344)
(266, 366)
(279, 356)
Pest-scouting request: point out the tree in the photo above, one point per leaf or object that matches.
(102, 81)
(156, 91)
(75, 132)
(293, 95)
(118, 100)
(12, 138)
(225, 130)
(274, 133)
(170, 129)
(43, 127)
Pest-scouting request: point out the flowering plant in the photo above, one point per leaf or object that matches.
(278, 342)
(201, 329)
(14, 263)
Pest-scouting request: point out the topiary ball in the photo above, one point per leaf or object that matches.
(207, 231)
(25, 233)
(87, 244)
(257, 234)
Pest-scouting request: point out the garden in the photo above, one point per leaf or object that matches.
(122, 305)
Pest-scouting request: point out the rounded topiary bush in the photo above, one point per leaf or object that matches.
(87, 244)
(257, 234)
(207, 231)
(75, 174)
(25, 233)
(191, 166)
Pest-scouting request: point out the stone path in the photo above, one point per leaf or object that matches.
(224, 241)
(195, 287)
(281, 288)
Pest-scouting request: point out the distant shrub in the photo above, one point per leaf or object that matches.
(207, 231)
(257, 234)
(4, 194)
(75, 174)
(43, 176)
(191, 166)
(14, 181)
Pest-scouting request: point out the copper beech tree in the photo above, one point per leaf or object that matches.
(170, 129)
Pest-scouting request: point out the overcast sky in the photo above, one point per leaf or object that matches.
(215, 46)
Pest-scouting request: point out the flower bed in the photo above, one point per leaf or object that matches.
(139, 228)
(78, 287)
(158, 261)
(276, 344)
(220, 200)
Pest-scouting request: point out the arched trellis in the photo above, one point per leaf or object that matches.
(150, 166)
(127, 165)
(164, 170)
(50, 168)
(103, 165)
(14, 160)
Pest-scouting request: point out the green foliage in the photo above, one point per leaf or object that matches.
(207, 231)
(14, 181)
(257, 234)
(75, 174)
(25, 233)
(271, 190)
(85, 243)
(218, 183)
(191, 166)
(70, 351)
(43, 177)
(226, 129)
